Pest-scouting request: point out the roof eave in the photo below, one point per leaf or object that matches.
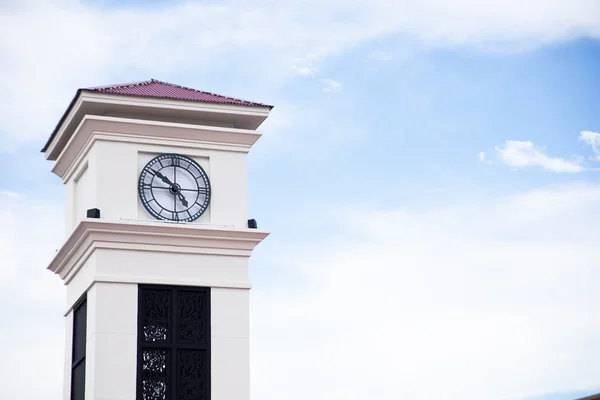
(62, 120)
(85, 97)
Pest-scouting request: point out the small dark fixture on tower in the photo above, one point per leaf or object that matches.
(93, 213)
(252, 224)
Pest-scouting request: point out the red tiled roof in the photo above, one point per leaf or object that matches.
(164, 90)
(159, 90)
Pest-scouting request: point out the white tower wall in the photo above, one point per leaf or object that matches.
(105, 259)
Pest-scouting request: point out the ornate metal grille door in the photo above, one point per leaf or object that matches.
(173, 343)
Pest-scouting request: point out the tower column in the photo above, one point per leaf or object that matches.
(157, 275)
(111, 340)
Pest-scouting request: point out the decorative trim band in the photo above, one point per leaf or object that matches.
(202, 135)
(151, 236)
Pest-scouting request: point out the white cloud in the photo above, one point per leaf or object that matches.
(307, 71)
(32, 298)
(11, 194)
(484, 300)
(519, 154)
(381, 56)
(481, 300)
(593, 139)
(48, 61)
(331, 85)
(483, 158)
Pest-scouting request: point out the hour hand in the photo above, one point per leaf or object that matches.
(163, 178)
(182, 198)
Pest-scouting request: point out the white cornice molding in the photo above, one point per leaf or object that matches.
(94, 128)
(174, 281)
(124, 100)
(86, 98)
(91, 234)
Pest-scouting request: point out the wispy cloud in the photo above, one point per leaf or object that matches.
(483, 158)
(307, 71)
(11, 194)
(383, 56)
(331, 85)
(520, 154)
(209, 36)
(31, 232)
(593, 139)
(488, 285)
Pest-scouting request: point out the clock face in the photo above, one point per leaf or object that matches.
(174, 187)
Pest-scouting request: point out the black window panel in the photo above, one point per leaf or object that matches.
(79, 331)
(173, 343)
(78, 382)
(78, 354)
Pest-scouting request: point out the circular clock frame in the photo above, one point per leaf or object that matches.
(171, 181)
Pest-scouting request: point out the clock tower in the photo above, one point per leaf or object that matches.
(155, 258)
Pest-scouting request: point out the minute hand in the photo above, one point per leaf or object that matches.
(163, 178)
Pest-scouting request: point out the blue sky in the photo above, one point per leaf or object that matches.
(431, 196)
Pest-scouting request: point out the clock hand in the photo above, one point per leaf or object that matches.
(182, 198)
(163, 178)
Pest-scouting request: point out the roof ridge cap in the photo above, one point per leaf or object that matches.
(119, 85)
